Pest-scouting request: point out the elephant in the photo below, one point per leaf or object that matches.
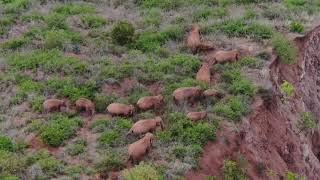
(53, 105)
(149, 102)
(186, 93)
(85, 104)
(195, 116)
(139, 148)
(120, 109)
(146, 125)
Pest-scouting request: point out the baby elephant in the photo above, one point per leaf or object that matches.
(149, 102)
(120, 109)
(53, 105)
(193, 40)
(85, 104)
(139, 148)
(226, 56)
(186, 93)
(146, 125)
(195, 116)
(203, 74)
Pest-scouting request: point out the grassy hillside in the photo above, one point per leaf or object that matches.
(73, 49)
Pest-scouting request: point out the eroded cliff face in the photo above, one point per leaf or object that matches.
(269, 137)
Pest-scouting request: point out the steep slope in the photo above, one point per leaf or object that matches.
(268, 138)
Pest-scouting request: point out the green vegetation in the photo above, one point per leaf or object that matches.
(232, 108)
(59, 129)
(6, 143)
(74, 8)
(231, 171)
(93, 21)
(11, 163)
(287, 89)
(241, 28)
(296, 27)
(77, 147)
(110, 162)
(122, 33)
(142, 171)
(306, 122)
(285, 49)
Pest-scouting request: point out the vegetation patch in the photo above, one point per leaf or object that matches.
(285, 49)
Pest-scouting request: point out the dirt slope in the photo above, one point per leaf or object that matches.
(268, 137)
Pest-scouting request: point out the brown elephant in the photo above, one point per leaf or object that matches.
(53, 105)
(146, 125)
(120, 109)
(186, 93)
(150, 102)
(226, 56)
(139, 148)
(203, 74)
(195, 116)
(194, 41)
(85, 104)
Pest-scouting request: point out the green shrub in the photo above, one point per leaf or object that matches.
(77, 147)
(250, 13)
(93, 21)
(153, 17)
(295, 3)
(59, 129)
(183, 130)
(33, 16)
(102, 100)
(232, 171)
(109, 138)
(306, 122)
(137, 93)
(100, 124)
(296, 27)
(164, 4)
(5, 143)
(15, 7)
(122, 33)
(59, 38)
(285, 49)
(110, 162)
(34, 125)
(232, 108)
(141, 171)
(123, 123)
(287, 89)
(181, 151)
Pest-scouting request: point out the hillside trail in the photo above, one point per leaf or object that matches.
(268, 137)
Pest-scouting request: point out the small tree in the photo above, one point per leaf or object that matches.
(306, 122)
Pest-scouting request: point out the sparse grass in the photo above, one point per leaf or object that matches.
(209, 12)
(93, 21)
(286, 50)
(77, 147)
(74, 8)
(242, 28)
(14, 44)
(111, 161)
(231, 170)
(306, 122)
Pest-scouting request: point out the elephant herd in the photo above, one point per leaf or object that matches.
(141, 147)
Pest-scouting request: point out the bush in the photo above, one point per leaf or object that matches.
(122, 33)
(232, 108)
(296, 27)
(60, 38)
(109, 138)
(5, 143)
(287, 89)
(77, 147)
(306, 122)
(123, 123)
(93, 21)
(36, 103)
(51, 166)
(102, 100)
(232, 171)
(285, 49)
(141, 171)
(59, 129)
(181, 151)
(110, 162)
(14, 43)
